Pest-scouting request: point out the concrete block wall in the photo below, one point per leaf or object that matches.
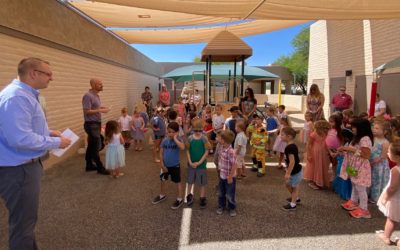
(122, 87)
(77, 50)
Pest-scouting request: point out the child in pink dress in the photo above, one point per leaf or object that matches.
(181, 109)
(279, 144)
(389, 201)
(317, 167)
(356, 166)
(333, 139)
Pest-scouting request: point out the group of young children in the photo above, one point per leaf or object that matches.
(355, 156)
(364, 157)
(203, 133)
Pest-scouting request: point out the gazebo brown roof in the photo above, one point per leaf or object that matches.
(226, 47)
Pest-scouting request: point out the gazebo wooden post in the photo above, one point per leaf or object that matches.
(242, 79)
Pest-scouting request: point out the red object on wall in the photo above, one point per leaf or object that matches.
(373, 98)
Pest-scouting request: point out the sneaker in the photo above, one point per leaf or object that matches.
(203, 202)
(298, 201)
(232, 212)
(220, 210)
(158, 199)
(177, 204)
(254, 168)
(360, 213)
(259, 174)
(288, 207)
(189, 200)
(349, 205)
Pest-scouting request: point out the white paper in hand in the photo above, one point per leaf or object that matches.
(68, 133)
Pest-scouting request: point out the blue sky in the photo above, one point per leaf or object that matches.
(266, 48)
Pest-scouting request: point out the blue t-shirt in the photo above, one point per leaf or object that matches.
(158, 122)
(272, 123)
(171, 152)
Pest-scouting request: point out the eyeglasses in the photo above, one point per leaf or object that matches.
(46, 73)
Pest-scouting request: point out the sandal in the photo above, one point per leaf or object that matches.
(313, 186)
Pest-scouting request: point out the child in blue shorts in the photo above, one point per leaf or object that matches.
(170, 159)
(294, 173)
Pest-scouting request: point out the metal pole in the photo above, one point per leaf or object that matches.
(279, 92)
(234, 80)
(242, 79)
(209, 79)
(206, 81)
(229, 84)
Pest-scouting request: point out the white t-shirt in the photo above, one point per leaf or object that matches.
(241, 139)
(196, 99)
(218, 122)
(379, 106)
(125, 122)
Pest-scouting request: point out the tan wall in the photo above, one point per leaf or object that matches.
(385, 41)
(318, 60)
(71, 81)
(346, 50)
(53, 21)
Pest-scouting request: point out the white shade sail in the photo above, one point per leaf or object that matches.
(194, 21)
(275, 9)
(194, 35)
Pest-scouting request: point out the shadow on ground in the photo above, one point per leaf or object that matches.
(82, 210)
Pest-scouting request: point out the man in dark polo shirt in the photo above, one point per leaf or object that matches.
(92, 110)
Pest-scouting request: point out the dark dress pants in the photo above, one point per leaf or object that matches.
(19, 188)
(92, 156)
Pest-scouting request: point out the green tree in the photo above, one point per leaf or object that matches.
(197, 59)
(297, 62)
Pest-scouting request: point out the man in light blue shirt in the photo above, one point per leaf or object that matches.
(24, 138)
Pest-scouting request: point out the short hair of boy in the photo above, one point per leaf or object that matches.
(209, 120)
(218, 106)
(124, 110)
(174, 126)
(227, 136)
(255, 115)
(289, 131)
(240, 124)
(348, 112)
(271, 109)
(282, 107)
(172, 115)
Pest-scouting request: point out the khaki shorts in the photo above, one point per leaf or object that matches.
(239, 161)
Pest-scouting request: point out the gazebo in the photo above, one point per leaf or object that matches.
(225, 47)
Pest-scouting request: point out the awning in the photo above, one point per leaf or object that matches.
(392, 64)
(188, 73)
